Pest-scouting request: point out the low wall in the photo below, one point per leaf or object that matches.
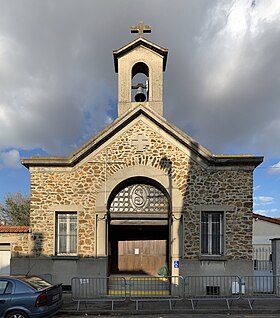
(216, 267)
(61, 269)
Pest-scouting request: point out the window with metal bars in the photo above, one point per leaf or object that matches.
(66, 233)
(212, 233)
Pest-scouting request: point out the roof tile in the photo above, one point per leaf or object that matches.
(14, 229)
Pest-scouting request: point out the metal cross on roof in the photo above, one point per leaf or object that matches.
(141, 28)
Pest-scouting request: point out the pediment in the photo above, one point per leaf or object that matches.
(144, 114)
(140, 42)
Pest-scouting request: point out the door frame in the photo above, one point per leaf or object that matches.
(175, 214)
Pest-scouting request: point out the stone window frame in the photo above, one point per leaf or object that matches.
(65, 209)
(211, 208)
(213, 238)
(68, 235)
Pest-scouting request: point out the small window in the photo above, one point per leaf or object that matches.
(212, 236)
(140, 82)
(66, 233)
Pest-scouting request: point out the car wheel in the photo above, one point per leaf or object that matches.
(17, 314)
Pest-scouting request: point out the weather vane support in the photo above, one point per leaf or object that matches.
(141, 28)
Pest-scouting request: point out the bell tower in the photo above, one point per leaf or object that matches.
(140, 65)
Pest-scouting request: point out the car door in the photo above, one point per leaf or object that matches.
(6, 288)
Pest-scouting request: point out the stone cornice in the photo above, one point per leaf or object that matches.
(212, 160)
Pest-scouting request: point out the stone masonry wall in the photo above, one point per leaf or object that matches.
(79, 186)
(233, 188)
(20, 243)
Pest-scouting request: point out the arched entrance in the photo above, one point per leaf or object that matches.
(138, 227)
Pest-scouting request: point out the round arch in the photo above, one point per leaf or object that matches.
(159, 177)
(112, 232)
(140, 194)
(140, 67)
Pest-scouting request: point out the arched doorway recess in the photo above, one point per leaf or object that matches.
(110, 188)
(138, 227)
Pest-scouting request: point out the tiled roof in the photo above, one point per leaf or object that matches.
(14, 229)
(266, 218)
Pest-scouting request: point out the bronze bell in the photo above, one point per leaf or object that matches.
(140, 96)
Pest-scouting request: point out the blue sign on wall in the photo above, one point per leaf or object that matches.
(176, 264)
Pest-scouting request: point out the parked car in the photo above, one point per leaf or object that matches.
(28, 296)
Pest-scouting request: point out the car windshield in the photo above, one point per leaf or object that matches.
(36, 282)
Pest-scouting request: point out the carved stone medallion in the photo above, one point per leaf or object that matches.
(138, 196)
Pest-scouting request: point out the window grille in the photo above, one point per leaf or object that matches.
(142, 198)
(66, 233)
(212, 233)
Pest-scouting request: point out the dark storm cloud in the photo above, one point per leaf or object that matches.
(58, 85)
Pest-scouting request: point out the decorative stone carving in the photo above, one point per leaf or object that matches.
(140, 198)
(140, 141)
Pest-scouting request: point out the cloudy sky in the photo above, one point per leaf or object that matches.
(222, 84)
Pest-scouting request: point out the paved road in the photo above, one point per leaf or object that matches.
(170, 316)
(269, 308)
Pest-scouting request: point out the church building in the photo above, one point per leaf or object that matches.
(140, 197)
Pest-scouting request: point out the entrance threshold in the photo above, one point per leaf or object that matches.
(138, 285)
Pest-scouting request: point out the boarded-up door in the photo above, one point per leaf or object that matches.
(142, 256)
(5, 257)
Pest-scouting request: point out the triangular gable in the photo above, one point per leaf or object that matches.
(137, 42)
(121, 122)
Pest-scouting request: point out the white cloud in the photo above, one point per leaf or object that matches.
(232, 91)
(274, 169)
(257, 187)
(274, 213)
(58, 85)
(263, 200)
(10, 159)
(262, 211)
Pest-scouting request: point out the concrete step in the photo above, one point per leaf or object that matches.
(142, 286)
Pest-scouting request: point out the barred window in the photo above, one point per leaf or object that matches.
(66, 233)
(212, 233)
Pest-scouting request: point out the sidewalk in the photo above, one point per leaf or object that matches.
(127, 307)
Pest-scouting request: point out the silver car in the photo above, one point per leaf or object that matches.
(28, 296)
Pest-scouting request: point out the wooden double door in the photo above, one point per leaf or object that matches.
(138, 250)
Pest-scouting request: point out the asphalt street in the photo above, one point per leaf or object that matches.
(266, 308)
(170, 316)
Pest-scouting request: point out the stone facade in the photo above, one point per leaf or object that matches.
(19, 239)
(141, 146)
(76, 189)
(155, 61)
